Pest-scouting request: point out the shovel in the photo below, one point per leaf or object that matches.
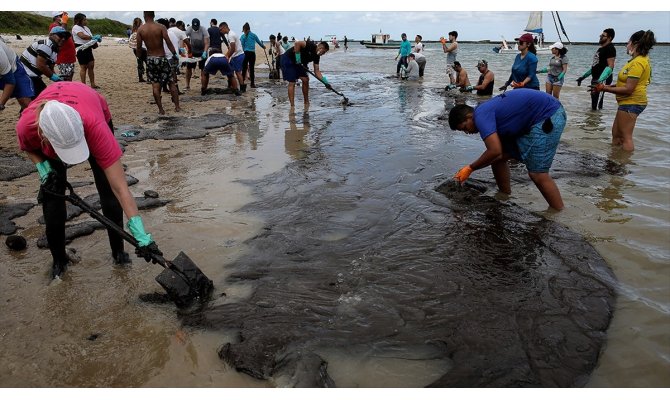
(183, 281)
(345, 102)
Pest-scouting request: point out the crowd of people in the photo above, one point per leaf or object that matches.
(70, 122)
(526, 125)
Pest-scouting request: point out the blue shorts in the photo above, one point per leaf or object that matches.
(554, 81)
(633, 108)
(290, 70)
(218, 64)
(23, 85)
(537, 148)
(236, 63)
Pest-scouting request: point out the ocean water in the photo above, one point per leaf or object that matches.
(625, 216)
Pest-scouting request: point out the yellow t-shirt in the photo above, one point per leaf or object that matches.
(639, 68)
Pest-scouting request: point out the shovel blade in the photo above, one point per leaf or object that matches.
(184, 282)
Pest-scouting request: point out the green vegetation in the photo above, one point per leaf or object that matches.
(28, 23)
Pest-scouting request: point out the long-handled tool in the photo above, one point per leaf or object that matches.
(345, 102)
(183, 281)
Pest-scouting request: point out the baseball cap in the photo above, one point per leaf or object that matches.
(56, 13)
(62, 126)
(482, 62)
(526, 37)
(557, 45)
(57, 30)
(195, 23)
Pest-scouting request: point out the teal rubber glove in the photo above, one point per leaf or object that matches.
(450, 86)
(586, 74)
(182, 50)
(606, 74)
(561, 76)
(97, 38)
(204, 55)
(541, 71)
(136, 228)
(468, 88)
(324, 79)
(44, 169)
(298, 60)
(55, 77)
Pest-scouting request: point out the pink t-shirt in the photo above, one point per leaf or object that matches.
(95, 115)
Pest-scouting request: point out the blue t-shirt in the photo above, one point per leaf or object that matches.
(405, 48)
(249, 41)
(523, 68)
(513, 113)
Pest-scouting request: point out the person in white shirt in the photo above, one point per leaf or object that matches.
(14, 82)
(418, 54)
(82, 35)
(235, 53)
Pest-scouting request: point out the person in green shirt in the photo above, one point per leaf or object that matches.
(403, 52)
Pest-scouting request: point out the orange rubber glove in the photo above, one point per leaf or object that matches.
(518, 84)
(64, 18)
(443, 40)
(597, 88)
(463, 174)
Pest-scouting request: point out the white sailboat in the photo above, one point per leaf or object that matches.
(534, 27)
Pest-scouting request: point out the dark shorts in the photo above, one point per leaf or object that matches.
(159, 70)
(290, 70)
(633, 108)
(23, 85)
(85, 56)
(201, 62)
(218, 64)
(236, 63)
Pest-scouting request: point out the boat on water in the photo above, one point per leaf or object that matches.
(534, 27)
(332, 40)
(381, 41)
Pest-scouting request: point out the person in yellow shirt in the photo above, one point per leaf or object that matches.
(631, 88)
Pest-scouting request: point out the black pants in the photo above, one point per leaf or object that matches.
(249, 64)
(141, 61)
(594, 96)
(38, 85)
(55, 212)
(401, 61)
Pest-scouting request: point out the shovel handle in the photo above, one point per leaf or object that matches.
(317, 78)
(73, 198)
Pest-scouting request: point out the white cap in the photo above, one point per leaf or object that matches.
(63, 128)
(56, 13)
(557, 45)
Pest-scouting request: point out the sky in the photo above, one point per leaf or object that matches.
(473, 20)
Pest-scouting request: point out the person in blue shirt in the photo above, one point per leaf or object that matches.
(524, 67)
(522, 124)
(403, 52)
(249, 40)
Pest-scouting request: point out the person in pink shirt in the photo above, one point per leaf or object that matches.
(67, 124)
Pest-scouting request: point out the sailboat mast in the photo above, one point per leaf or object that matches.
(556, 25)
(562, 28)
